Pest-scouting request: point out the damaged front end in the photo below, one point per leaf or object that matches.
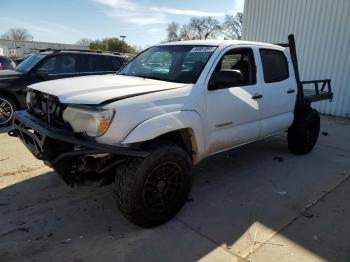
(76, 157)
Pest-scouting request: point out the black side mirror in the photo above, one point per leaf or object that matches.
(42, 73)
(225, 78)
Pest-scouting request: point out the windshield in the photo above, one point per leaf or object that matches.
(29, 63)
(175, 63)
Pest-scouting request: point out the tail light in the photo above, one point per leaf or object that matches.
(0, 66)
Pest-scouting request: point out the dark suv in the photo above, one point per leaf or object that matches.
(49, 65)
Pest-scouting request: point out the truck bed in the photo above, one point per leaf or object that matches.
(321, 90)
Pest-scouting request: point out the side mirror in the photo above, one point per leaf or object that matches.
(42, 73)
(225, 78)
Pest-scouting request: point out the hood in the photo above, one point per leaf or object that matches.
(101, 88)
(10, 74)
(9, 78)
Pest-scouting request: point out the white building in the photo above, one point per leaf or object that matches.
(13, 48)
(322, 32)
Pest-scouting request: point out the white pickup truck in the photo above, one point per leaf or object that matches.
(166, 110)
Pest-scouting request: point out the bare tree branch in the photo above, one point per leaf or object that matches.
(197, 28)
(84, 42)
(18, 34)
(232, 26)
(173, 31)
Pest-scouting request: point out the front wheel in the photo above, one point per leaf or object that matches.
(303, 134)
(151, 191)
(7, 108)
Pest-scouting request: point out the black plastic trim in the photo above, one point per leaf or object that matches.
(33, 132)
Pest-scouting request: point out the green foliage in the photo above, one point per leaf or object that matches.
(112, 45)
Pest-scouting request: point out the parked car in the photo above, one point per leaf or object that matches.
(166, 110)
(49, 65)
(6, 63)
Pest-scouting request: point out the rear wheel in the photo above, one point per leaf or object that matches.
(151, 191)
(7, 108)
(303, 134)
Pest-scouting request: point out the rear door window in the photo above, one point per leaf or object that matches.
(95, 63)
(117, 63)
(275, 65)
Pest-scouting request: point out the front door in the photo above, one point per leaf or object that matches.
(234, 112)
(57, 67)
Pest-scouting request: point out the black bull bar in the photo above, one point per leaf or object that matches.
(36, 134)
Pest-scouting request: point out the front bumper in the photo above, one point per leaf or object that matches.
(43, 140)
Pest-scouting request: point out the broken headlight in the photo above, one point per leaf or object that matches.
(91, 121)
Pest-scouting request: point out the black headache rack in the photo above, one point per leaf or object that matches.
(311, 90)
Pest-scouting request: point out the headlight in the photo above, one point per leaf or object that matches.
(92, 122)
(30, 98)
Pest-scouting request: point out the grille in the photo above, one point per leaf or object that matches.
(48, 108)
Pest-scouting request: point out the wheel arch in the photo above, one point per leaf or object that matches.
(11, 96)
(183, 128)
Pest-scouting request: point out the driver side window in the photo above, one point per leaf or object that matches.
(241, 60)
(60, 64)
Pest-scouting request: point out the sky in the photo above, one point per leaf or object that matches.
(143, 22)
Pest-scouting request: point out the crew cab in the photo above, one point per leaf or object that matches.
(49, 64)
(163, 112)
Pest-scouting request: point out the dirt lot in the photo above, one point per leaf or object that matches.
(255, 203)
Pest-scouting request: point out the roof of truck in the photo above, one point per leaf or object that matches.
(222, 43)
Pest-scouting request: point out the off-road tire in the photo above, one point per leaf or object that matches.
(6, 103)
(303, 134)
(132, 188)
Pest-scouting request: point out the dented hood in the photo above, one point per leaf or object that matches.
(101, 88)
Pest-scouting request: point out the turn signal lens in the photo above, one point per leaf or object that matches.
(104, 124)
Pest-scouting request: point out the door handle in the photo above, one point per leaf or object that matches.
(256, 96)
(290, 91)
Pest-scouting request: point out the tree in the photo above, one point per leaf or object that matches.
(204, 27)
(84, 42)
(197, 28)
(112, 45)
(173, 31)
(19, 34)
(232, 26)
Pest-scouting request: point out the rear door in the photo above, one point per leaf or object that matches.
(279, 88)
(233, 113)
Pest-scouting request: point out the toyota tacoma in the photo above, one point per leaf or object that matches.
(171, 106)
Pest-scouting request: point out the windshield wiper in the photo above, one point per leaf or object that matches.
(156, 78)
(151, 77)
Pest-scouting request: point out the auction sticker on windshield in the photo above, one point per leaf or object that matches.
(201, 49)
